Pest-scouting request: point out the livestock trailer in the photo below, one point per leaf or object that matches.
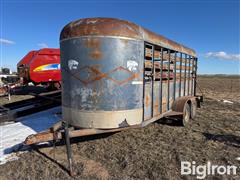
(117, 75)
(40, 67)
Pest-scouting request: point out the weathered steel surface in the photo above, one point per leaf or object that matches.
(103, 119)
(55, 135)
(179, 103)
(103, 63)
(102, 74)
(117, 27)
(50, 136)
(113, 78)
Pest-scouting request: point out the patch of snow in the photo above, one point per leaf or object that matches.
(13, 135)
(227, 101)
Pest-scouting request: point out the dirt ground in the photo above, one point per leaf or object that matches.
(153, 152)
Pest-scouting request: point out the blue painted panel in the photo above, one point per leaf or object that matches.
(102, 73)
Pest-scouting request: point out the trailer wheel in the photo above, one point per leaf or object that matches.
(193, 109)
(186, 114)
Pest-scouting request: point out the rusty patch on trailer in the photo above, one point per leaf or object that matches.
(117, 27)
(147, 100)
(95, 74)
(164, 100)
(100, 26)
(96, 54)
(120, 68)
(92, 42)
(164, 107)
(156, 106)
(179, 103)
(125, 41)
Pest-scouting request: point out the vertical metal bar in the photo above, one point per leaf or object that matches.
(159, 107)
(174, 85)
(189, 75)
(161, 74)
(168, 88)
(185, 68)
(192, 92)
(153, 73)
(9, 92)
(143, 106)
(180, 83)
(68, 147)
(195, 79)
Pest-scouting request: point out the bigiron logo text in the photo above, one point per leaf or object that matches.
(202, 171)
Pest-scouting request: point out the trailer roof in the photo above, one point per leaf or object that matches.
(122, 28)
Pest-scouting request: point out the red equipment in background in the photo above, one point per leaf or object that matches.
(41, 67)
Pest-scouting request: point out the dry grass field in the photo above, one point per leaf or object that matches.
(153, 152)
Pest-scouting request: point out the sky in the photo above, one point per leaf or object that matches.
(210, 27)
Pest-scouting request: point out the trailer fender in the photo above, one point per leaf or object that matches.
(179, 103)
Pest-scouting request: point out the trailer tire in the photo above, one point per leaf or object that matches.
(186, 114)
(193, 109)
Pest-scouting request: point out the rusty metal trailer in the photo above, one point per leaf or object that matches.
(117, 75)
